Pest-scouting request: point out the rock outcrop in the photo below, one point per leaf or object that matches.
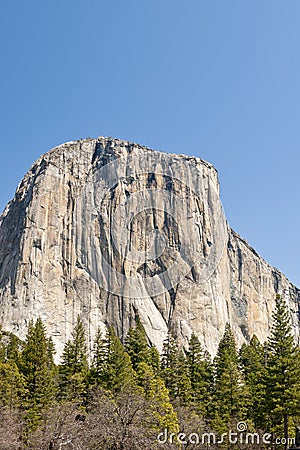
(112, 230)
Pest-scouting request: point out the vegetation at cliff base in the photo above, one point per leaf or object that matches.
(122, 396)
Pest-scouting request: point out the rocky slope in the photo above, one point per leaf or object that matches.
(111, 230)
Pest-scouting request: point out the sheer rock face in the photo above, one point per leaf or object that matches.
(112, 230)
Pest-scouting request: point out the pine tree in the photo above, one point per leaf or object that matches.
(12, 385)
(145, 378)
(161, 412)
(14, 349)
(228, 402)
(51, 353)
(283, 372)
(99, 360)
(169, 352)
(174, 370)
(74, 368)
(252, 358)
(2, 346)
(36, 366)
(111, 364)
(136, 345)
(182, 384)
(200, 371)
(139, 350)
(154, 360)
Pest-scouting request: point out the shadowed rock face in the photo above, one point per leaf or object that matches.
(112, 230)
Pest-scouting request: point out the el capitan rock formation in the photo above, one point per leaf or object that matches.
(111, 230)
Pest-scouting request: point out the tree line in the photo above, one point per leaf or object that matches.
(124, 394)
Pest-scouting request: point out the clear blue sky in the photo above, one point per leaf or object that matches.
(216, 79)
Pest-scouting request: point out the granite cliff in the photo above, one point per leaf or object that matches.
(112, 230)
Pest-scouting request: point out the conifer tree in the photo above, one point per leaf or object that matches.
(111, 364)
(283, 374)
(169, 352)
(51, 353)
(154, 359)
(174, 370)
(99, 359)
(74, 368)
(145, 378)
(162, 414)
(12, 385)
(36, 366)
(162, 411)
(182, 389)
(2, 346)
(14, 349)
(200, 371)
(136, 345)
(229, 396)
(252, 358)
